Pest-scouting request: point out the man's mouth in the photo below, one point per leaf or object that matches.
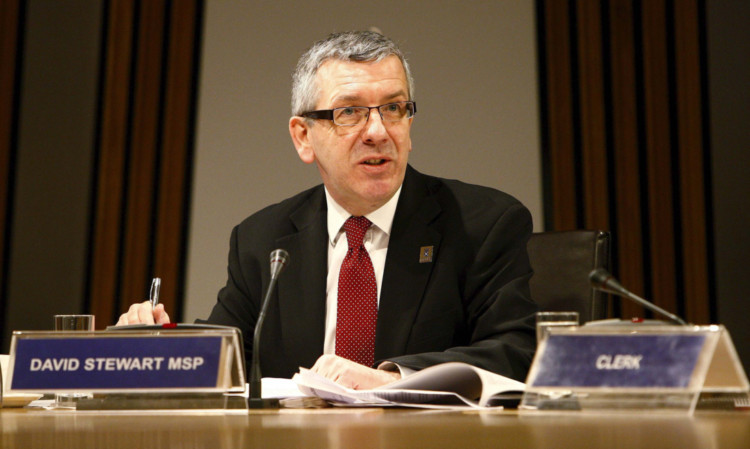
(374, 161)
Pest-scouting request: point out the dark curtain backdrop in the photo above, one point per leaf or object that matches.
(142, 152)
(625, 141)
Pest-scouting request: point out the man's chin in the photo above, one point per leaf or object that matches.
(379, 195)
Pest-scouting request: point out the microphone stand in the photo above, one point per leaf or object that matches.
(278, 261)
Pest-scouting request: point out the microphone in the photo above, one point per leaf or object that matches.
(279, 260)
(602, 280)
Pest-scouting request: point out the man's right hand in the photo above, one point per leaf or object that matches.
(142, 313)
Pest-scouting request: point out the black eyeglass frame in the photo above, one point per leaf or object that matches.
(327, 114)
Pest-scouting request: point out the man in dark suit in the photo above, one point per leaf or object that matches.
(446, 262)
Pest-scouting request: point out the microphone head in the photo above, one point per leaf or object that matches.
(279, 260)
(602, 279)
(599, 277)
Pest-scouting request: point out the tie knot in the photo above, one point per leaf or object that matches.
(355, 228)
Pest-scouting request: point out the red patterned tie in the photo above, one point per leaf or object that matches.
(357, 311)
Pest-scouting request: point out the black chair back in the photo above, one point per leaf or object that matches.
(562, 262)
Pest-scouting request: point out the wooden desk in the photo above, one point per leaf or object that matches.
(370, 428)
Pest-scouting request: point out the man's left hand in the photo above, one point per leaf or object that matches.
(351, 374)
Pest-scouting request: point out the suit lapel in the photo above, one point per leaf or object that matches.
(405, 277)
(302, 288)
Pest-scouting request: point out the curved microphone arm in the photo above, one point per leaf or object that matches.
(602, 280)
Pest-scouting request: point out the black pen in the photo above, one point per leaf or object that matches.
(154, 293)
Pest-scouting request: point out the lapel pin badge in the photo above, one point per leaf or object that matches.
(425, 254)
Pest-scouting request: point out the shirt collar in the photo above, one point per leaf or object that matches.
(337, 216)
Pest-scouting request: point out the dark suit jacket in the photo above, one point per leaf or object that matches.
(471, 303)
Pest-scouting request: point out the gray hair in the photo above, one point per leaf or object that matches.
(360, 46)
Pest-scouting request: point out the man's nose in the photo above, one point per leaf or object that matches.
(374, 127)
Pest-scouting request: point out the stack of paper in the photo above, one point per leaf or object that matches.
(447, 385)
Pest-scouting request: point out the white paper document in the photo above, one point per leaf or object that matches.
(448, 385)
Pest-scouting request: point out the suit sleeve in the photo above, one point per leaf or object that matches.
(499, 333)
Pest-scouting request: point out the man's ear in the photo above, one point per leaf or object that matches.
(299, 129)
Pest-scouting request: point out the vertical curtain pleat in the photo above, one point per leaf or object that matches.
(10, 42)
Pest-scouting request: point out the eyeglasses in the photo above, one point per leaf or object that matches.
(358, 115)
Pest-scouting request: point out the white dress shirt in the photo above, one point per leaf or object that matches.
(376, 243)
